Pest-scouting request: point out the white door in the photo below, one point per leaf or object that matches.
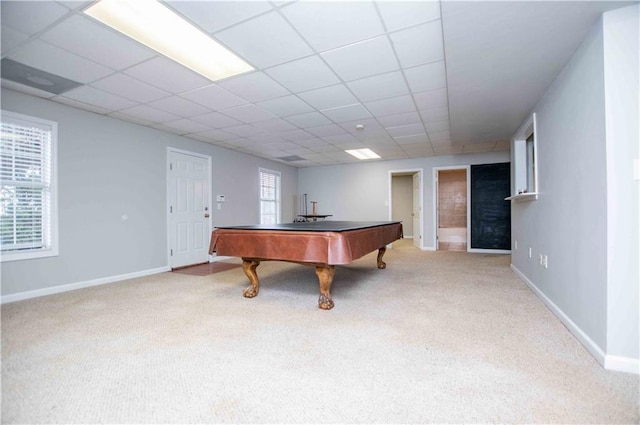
(417, 220)
(189, 212)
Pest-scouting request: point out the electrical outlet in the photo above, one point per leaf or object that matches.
(530, 252)
(545, 262)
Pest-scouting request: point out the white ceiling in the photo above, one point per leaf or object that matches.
(424, 78)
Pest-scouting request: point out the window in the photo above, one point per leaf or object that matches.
(525, 167)
(269, 196)
(28, 203)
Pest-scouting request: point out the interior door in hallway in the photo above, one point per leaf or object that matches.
(189, 209)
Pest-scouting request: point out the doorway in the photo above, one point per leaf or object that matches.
(405, 203)
(189, 215)
(452, 209)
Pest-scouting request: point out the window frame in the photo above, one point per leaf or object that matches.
(53, 249)
(524, 148)
(278, 194)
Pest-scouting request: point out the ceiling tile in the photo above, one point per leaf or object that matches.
(265, 41)
(275, 126)
(349, 22)
(187, 126)
(168, 75)
(214, 97)
(341, 139)
(326, 130)
(212, 16)
(438, 126)
(244, 130)
(296, 135)
(347, 113)
(129, 87)
(50, 58)
(372, 129)
(412, 139)
(218, 135)
(418, 45)
(393, 105)
(30, 17)
(370, 57)
(285, 106)
(100, 98)
(426, 77)
(254, 87)
(406, 130)
(447, 150)
(309, 119)
(379, 86)
(431, 99)
(178, 106)
(399, 119)
(98, 43)
(438, 114)
(149, 114)
(440, 136)
(249, 113)
(303, 74)
(216, 120)
(402, 14)
(11, 38)
(329, 97)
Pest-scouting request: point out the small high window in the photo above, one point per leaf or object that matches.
(525, 162)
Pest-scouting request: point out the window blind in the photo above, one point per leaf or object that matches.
(269, 197)
(25, 185)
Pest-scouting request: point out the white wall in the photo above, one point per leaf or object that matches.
(107, 168)
(580, 197)
(361, 191)
(621, 71)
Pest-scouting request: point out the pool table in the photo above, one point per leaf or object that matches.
(322, 244)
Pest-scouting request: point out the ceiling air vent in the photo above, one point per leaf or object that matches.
(36, 78)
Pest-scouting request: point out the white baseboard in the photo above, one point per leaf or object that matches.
(489, 251)
(609, 362)
(78, 285)
(214, 258)
(622, 364)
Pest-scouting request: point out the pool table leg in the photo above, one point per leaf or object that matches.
(325, 277)
(249, 266)
(382, 264)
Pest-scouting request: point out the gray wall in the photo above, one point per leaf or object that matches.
(107, 168)
(571, 220)
(361, 191)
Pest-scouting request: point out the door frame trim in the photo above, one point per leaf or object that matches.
(171, 150)
(390, 198)
(467, 168)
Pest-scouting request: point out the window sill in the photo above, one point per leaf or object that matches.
(529, 196)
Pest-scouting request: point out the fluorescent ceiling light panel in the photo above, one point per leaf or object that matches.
(363, 153)
(156, 26)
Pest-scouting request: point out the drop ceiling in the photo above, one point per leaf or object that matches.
(424, 78)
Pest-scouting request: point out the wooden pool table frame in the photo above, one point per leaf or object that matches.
(322, 245)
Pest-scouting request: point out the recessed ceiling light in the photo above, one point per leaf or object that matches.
(363, 153)
(156, 26)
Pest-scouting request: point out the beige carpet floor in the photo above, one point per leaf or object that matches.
(436, 337)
